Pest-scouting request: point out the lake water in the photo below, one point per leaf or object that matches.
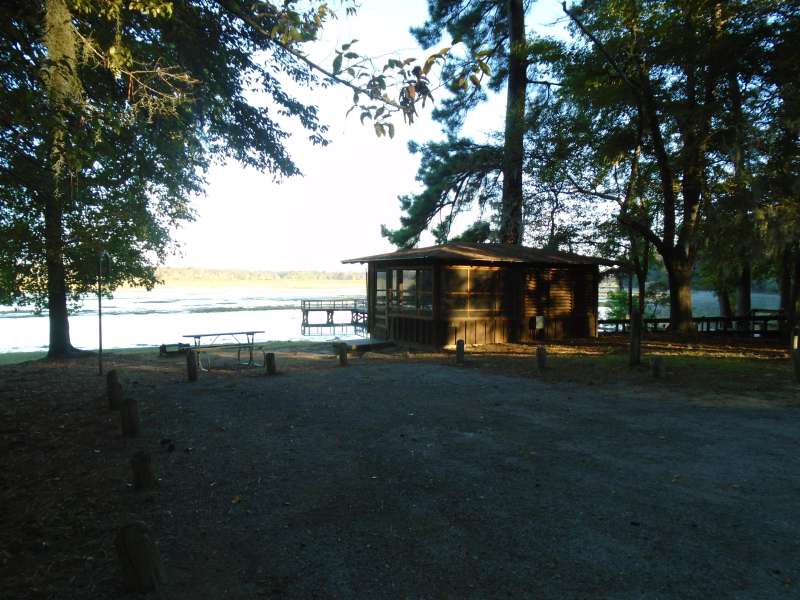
(162, 316)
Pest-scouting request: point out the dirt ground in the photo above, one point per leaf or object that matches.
(406, 476)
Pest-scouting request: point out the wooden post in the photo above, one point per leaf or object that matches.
(191, 365)
(796, 359)
(139, 558)
(460, 352)
(636, 337)
(143, 476)
(657, 367)
(341, 350)
(129, 417)
(541, 358)
(269, 363)
(114, 389)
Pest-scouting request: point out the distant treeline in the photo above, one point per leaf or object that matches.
(195, 274)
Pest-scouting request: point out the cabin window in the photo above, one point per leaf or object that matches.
(382, 287)
(425, 291)
(473, 291)
(412, 292)
(409, 290)
(395, 286)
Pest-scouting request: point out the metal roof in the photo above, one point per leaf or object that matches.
(483, 253)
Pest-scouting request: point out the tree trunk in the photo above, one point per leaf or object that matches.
(64, 91)
(511, 217)
(744, 290)
(642, 291)
(785, 281)
(724, 299)
(794, 304)
(680, 295)
(743, 296)
(56, 279)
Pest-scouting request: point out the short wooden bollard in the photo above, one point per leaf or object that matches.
(796, 359)
(114, 390)
(269, 363)
(139, 558)
(460, 352)
(541, 358)
(657, 367)
(191, 365)
(341, 350)
(636, 338)
(129, 417)
(143, 476)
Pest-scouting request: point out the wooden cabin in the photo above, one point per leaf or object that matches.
(481, 293)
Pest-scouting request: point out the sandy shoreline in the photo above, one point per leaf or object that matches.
(323, 284)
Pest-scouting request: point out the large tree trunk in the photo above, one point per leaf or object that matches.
(56, 278)
(64, 91)
(679, 273)
(511, 217)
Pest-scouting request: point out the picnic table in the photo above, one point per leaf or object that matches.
(241, 340)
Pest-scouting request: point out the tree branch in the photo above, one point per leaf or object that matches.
(544, 82)
(642, 230)
(582, 190)
(232, 7)
(636, 89)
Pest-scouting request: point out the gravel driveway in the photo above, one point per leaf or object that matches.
(391, 479)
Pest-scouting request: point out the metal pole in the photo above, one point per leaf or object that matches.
(103, 268)
(100, 315)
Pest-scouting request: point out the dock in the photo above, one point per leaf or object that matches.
(357, 307)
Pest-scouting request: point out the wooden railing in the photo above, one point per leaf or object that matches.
(754, 324)
(334, 304)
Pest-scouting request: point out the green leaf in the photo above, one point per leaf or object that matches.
(337, 63)
(390, 127)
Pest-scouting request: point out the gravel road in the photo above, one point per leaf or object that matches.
(391, 479)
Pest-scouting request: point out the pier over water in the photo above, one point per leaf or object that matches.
(357, 307)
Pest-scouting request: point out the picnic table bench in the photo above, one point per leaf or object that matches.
(240, 340)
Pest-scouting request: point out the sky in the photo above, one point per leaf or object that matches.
(349, 188)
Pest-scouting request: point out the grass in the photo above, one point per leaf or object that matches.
(12, 358)
(756, 375)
